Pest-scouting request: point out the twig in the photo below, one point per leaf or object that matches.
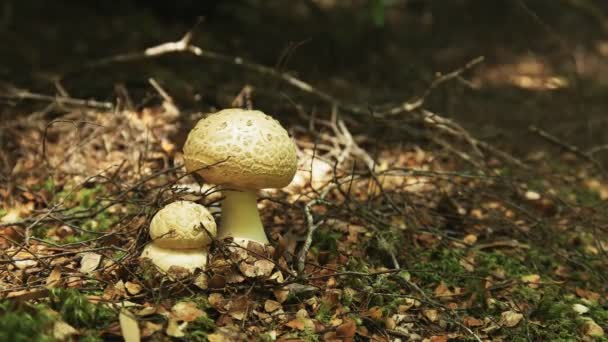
(21, 94)
(569, 147)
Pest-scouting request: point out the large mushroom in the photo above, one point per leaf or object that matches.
(181, 233)
(243, 151)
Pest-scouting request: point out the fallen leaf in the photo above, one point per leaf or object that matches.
(472, 322)
(431, 314)
(592, 329)
(186, 311)
(271, 305)
(281, 294)
(53, 280)
(375, 313)
(63, 331)
(580, 309)
(590, 295)
(439, 338)
(346, 329)
(532, 280)
(132, 288)
(176, 330)
(264, 267)
(150, 329)
(510, 318)
(89, 262)
(129, 326)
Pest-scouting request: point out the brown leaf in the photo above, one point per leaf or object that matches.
(346, 329)
(439, 338)
(271, 305)
(590, 295)
(472, 322)
(54, 278)
(375, 313)
(281, 294)
(186, 311)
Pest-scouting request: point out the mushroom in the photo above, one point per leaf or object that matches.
(181, 233)
(243, 151)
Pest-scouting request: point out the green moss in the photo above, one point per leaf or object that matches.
(77, 311)
(486, 263)
(439, 265)
(326, 240)
(20, 323)
(198, 329)
(324, 313)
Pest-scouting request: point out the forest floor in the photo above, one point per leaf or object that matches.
(472, 209)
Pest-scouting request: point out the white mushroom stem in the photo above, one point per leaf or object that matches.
(240, 217)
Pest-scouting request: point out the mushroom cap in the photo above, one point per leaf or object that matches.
(242, 149)
(164, 258)
(182, 225)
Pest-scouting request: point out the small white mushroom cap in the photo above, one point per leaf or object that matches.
(164, 258)
(182, 225)
(242, 149)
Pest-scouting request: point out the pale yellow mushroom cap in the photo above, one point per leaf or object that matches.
(242, 149)
(164, 258)
(180, 225)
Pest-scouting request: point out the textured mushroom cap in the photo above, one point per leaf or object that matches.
(164, 258)
(178, 225)
(243, 149)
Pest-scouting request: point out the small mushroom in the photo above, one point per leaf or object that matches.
(181, 233)
(244, 151)
(165, 258)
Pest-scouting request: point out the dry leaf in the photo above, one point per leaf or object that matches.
(264, 267)
(431, 314)
(89, 262)
(176, 330)
(439, 338)
(271, 305)
(590, 328)
(346, 329)
(532, 280)
(510, 318)
(150, 328)
(53, 280)
(281, 294)
(63, 331)
(132, 288)
(473, 322)
(186, 311)
(128, 326)
(375, 313)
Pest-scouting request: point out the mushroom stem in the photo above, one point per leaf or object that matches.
(240, 217)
